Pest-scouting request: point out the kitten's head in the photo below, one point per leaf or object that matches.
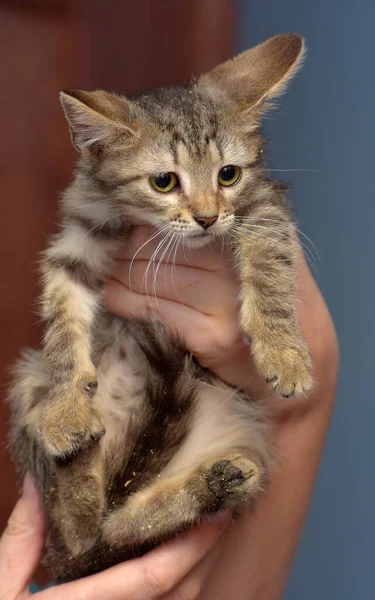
(183, 158)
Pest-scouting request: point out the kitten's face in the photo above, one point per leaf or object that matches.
(189, 170)
(184, 159)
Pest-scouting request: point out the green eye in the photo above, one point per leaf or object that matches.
(164, 182)
(229, 175)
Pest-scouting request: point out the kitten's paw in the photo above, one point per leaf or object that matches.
(233, 479)
(287, 368)
(69, 424)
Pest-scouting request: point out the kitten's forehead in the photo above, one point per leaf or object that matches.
(184, 115)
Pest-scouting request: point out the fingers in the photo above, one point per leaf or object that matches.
(200, 280)
(143, 241)
(193, 584)
(209, 338)
(210, 292)
(199, 303)
(151, 577)
(196, 294)
(21, 543)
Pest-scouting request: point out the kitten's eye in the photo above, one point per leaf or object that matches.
(164, 182)
(229, 175)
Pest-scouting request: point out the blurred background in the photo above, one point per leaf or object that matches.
(322, 143)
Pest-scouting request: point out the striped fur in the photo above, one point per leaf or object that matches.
(175, 448)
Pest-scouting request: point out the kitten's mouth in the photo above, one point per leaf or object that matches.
(198, 240)
(200, 235)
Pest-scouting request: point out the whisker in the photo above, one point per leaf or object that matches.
(307, 253)
(312, 254)
(294, 170)
(170, 238)
(174, 270)
(96, 202)
(167, 259)
(102, 223)
(152, 237)
(246, 228)
(222, 245)
(282, 221)
(314, 246)
(151, 260)
(185, 239)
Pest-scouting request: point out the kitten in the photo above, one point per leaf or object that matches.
(178, 444)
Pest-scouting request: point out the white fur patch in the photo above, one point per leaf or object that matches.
(76, 243)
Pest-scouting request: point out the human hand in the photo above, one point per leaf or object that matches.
(175, 570)
(207, 320)
(197, 296)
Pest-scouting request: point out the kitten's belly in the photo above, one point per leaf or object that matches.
(121, 389)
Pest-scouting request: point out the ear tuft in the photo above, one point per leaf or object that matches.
(258, 74)
(96, 118)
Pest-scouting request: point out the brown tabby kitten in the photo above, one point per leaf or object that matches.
(178, 443)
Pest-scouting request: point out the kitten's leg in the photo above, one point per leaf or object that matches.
(223, 462)
(267, 265)
(77, 500)
(170, 505)
(26, 397)
(74, 268)
(72, 493)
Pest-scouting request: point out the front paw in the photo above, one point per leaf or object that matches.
(287, 367)
(69, 423)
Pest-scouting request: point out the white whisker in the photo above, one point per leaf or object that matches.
(170, 239)
(151, 260)
(249, 228)
(152, 237)
(294, 170)
(101, 224)
(168, 257)
(95, 203)
(312, 254)
(309, 257)
(174, 270)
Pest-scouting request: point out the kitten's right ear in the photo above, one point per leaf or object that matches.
(253, 78)
(96, 119)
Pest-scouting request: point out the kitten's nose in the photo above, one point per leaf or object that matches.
(205, 222)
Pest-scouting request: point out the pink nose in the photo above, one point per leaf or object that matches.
(205, 222)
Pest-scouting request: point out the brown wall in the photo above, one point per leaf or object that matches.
(47, 45)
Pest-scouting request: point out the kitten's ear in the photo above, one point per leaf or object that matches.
(96, 118)
(257, 75)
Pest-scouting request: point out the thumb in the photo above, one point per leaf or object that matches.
(21, 543)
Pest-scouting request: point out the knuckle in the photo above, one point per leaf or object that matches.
(217, 341)
(225, 337)
(156, 581)
(16, 527)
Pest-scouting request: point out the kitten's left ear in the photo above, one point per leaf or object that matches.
(96, 119)
(257, 75)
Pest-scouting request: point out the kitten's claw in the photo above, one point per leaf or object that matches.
(69, 425)
(288, 369)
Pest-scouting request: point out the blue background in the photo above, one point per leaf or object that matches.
(326, 123)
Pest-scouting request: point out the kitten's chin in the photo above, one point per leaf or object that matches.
(198, 241)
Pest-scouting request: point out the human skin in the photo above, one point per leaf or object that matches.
(173, 566)
(197, 297)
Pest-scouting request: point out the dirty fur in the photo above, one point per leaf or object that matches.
(128, 443)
